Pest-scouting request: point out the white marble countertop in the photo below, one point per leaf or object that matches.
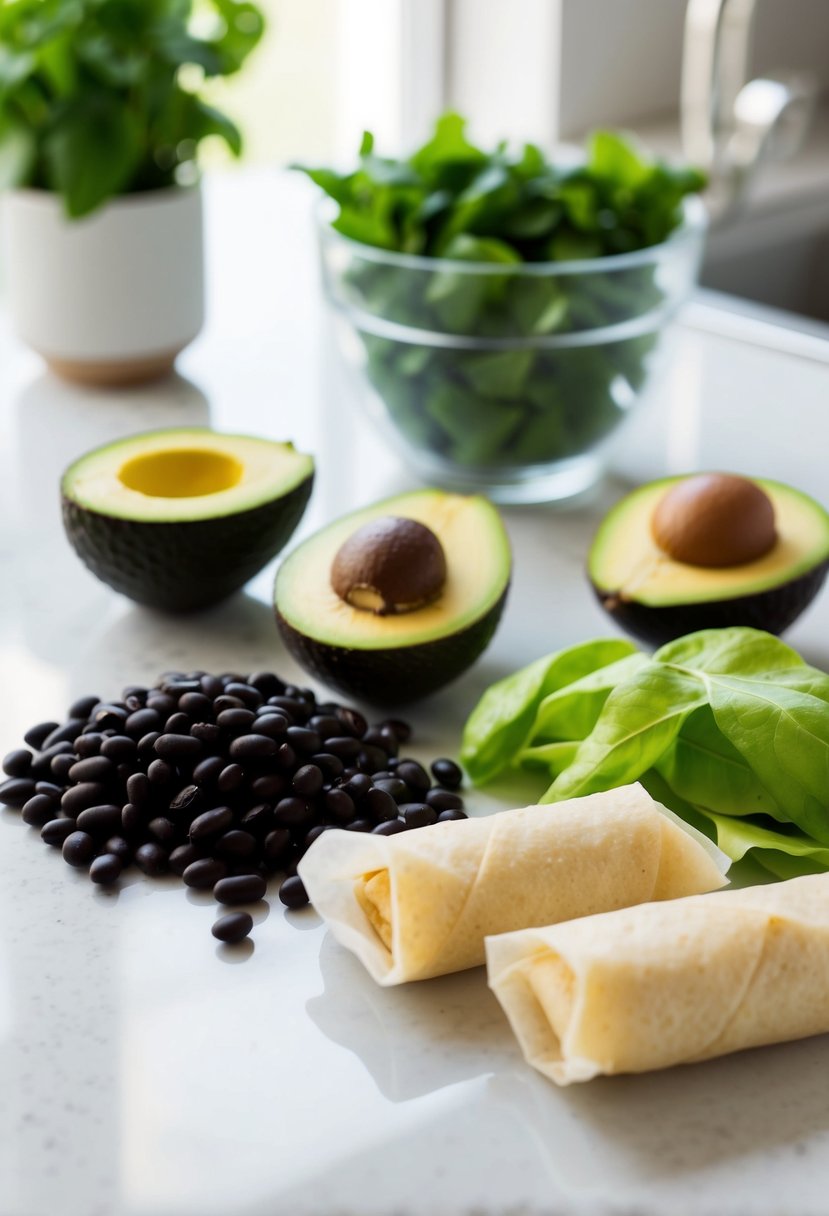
(146, 1071)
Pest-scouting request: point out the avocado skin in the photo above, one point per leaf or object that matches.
(397, 675)
(183, 566)
(773, 610)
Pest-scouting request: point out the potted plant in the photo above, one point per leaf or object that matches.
(100, 124)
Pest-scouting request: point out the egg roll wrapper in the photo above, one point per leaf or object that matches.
(419, 904)
(671, 983)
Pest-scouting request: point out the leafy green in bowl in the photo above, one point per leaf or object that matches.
(507, 307)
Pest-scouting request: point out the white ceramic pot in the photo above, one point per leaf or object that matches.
(111, 298)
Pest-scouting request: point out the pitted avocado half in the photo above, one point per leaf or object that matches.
(180, 519)
(708, 551)
(392, 602)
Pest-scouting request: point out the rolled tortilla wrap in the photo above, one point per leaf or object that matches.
(420, 903)
(668, 983)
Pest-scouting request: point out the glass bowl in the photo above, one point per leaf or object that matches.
(505, 378)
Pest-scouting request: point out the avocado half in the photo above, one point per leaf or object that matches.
(399, 657)
(656, 599)
(180, 519)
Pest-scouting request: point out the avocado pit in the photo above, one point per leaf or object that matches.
(390, 565)
(715, 520)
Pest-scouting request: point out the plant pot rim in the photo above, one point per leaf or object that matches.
(692, 228)
(134, 200)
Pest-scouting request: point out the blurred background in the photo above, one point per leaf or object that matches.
(551, 70)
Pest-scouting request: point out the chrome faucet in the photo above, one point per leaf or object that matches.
(732, 126)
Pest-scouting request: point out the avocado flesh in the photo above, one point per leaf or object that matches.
(657, 598)
(180, 519)
(396, 658)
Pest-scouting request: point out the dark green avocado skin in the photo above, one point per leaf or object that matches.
(183, 566)
(393, 677)
(773, 610)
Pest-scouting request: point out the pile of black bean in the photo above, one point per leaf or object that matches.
(220, 779)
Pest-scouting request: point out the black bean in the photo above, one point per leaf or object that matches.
(163, 705)
(241, 889)
(179, 749)
(105, 869)
(266, 683)
(245, 692)
(295, 710)
(252, 747)
(293, 893)
(79, 797)
(447, 773)
(100, 820)
(380, 805)
(160, 773)
(371, 759)
(162, 829)
(222, 703)
(316, 831)
(195, 704)
(146, 745)
(259, 819)
(120, 848)
(344, 746)
(78, 849)
(142, 721)
(151, 858)
(383, 775)
(211, 823)
(390, 827)
(270, 787)
(353, 722)
(204, 873)
(359, 825)
(94, 768)
(186, 802)
(17, 791)
(237, 720)
(182, 856)
(134, 692)
(418, 814)
(339, 805)
(179, 685)
(235, 845)
(109, 716)
(206, 732)
(38, 810)
(59, 767)
(83, 706)
(308, 781)
(139, 789)
(211, 686)
(132, 818)
(325, 725)
(444, 800)
(48, 787)
(304, 741)
(56, 831)
(357, 786)
(374, 737)
(293, 813)
(18, 762)
(277, 846)
(272, 725)
(452, 813)
(177, 724)
(207, 771)
(230, 778)
(401, 729)
(331, 766)
(398, 789)
(414, 775)
(233, 927)
(87, 745)
(35, 736)
(285, 758)
(62, 734)
(120, 748)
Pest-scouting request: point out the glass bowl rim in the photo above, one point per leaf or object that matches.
(693, 226)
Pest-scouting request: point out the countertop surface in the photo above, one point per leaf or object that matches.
(147, 1071)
